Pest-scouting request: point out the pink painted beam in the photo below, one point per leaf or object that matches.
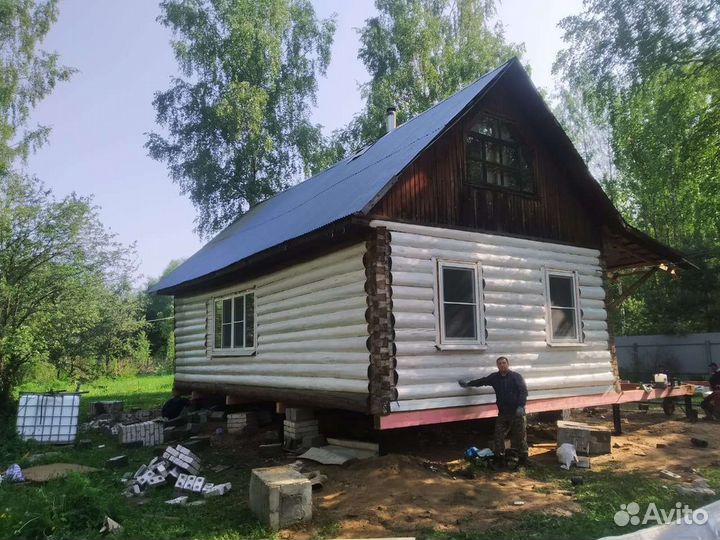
(475, 412)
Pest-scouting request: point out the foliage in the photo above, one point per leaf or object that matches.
(65, 293)
(646, 73)
(159, 312)
(238, 121)
(418, 52)
(27, 74)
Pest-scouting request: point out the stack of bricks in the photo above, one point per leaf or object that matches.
(179, 467)
(183, 459)
(242, 422)
(300, 428)
(149, 433)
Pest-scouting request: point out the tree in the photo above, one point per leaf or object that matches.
(418, 52)
(238, 121)
(648, 71)
(27, 74)
(65, 286)
(159, 312)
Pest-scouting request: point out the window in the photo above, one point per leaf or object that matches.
(234, 325)
(459, 304)
(562, 307)
(495, 158)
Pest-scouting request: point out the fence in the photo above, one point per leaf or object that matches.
(684, 357)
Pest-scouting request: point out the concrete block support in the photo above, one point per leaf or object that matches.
(587, 439)
(280, 496)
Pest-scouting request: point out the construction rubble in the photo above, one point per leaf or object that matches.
(178, 466)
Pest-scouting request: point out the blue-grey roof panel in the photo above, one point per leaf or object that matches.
(340, 191)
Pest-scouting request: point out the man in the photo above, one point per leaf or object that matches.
(174, 406)
(510, 396)
(709, 404)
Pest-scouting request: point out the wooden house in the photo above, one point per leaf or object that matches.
(471, 231)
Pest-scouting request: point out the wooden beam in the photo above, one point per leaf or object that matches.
(632, 289)
(290, 397)
(475, 412)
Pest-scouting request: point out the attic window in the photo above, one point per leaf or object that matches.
(494, 157)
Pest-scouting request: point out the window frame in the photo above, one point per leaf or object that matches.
(550, 337)
(233, 351)
(441, 341)
(521, 147)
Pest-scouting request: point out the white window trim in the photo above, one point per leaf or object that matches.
(233, 351)
(550, 339)
(457, 344)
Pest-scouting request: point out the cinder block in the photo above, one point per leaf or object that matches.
(280, 496)
(587, 439)
(297, 414)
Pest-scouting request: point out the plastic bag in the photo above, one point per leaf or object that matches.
(566, 455)
(473, 452)
(14, 474)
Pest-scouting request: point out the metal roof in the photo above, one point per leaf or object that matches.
(340, 191)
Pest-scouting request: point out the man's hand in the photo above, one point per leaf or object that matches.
(464, 383)
(520, 411)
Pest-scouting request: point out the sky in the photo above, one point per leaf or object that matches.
(100, 118)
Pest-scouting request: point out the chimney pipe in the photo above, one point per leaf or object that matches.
(391, 119)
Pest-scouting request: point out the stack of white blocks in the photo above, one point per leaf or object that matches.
(183, 459)
(241, 422)
(150, 433)
(299, 424)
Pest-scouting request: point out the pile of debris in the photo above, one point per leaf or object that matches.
(178, 466)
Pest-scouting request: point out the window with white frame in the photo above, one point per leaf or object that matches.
(563, 312)
(234, 322)
(460, 305)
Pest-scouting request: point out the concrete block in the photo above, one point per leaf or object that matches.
(148, 433)
(280, 496)
(587, 439)
(297, 414)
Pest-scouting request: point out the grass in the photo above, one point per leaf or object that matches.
(600, 497)
(74, 507)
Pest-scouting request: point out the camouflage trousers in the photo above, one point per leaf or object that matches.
(517, 426)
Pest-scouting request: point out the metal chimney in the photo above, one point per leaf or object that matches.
(391, 119)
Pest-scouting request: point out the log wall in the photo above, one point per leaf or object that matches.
(514, 311)
(311, 335)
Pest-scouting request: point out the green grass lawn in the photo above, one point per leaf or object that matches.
(74, 507)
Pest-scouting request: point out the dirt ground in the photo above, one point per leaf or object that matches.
(420, 484)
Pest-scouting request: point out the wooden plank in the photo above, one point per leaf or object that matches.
(475, 412)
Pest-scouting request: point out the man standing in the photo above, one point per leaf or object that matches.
(510, 396)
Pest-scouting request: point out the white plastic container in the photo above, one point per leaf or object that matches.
(48, 418)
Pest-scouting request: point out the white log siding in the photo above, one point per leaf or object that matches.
(515, 320)
(311, 331)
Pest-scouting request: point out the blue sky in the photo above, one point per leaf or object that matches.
(99, 118)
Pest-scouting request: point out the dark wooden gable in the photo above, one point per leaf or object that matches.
(433, 189)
